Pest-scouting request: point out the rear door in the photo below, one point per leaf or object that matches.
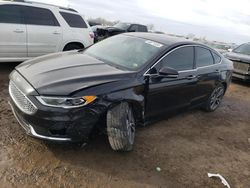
(208, 72)
(167, 94)
(43, 31)
(12, 32)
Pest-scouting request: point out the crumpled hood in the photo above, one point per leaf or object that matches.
(66, 73)
(238, 57)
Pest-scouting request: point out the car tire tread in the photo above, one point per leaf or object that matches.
(117, 129)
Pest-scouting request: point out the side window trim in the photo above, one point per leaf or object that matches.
(195, 68)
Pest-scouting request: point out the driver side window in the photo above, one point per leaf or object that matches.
(181, 59)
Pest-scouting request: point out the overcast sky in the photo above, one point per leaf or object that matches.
(224, 20)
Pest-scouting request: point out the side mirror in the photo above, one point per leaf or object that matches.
(168, 72)
(230, 50)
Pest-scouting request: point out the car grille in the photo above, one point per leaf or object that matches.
(241, 66)
(22, 102)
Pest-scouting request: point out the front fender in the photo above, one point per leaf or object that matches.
(134, 96)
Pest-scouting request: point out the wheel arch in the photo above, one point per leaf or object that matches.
(76, 43)
(136, 100)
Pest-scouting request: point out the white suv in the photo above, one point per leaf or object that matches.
(29, 29)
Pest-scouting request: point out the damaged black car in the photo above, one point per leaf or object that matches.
(116, 85)
(105, 32)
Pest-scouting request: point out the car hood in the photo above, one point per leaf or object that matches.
(238, 57)
(62, 74)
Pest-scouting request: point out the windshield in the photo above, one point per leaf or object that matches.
(123, 26)
(243, 49)
(125, 51)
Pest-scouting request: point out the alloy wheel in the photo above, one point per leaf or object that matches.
(216, 97)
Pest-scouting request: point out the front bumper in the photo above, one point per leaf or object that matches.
(241, 75)
(51, 123)
(31, 131)
(72, 125)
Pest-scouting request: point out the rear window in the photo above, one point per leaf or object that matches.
(74, 20)
(217, 58)
(39, 16)
(203, 57)
(10, 14)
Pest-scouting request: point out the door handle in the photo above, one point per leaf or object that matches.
(190, 77)
(19, 31)
(56, 33)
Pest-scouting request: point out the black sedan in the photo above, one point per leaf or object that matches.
(115, 85)
(241, 59)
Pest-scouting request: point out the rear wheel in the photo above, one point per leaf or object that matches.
(121, 127)
(215, 99)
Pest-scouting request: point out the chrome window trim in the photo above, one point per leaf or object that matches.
(190, 70)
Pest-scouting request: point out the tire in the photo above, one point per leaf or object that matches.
(215, 99)
(121, 127)
(72, 46)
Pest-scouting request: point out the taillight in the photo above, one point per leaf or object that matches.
(92, 35)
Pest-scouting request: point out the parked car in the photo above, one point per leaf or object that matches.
(241, 60)
(31, 29)
(94, 29)
(115, 85)
(119, 28)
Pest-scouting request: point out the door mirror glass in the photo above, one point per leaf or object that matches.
(168, 72)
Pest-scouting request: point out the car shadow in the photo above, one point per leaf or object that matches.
(8, 66)
(138, 165)
(241, 82)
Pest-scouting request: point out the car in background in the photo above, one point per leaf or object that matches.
(30, 29)
(118, 28)
(222, 48)
(94, 29)
(116, 85)
(241, 59)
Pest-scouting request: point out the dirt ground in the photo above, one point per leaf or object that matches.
(185, 147)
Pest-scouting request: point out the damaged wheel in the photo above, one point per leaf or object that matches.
(215, 99)
(121, 127)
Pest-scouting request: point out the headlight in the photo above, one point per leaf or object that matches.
(66, 102)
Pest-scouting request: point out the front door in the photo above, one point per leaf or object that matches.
(12, 33)
(167, 94)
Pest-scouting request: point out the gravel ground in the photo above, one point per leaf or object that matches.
(185, 147)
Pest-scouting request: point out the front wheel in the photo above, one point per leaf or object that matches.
(215, 99)
(121, 127)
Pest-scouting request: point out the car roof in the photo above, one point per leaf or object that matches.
(43, 5)
(161, 38)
